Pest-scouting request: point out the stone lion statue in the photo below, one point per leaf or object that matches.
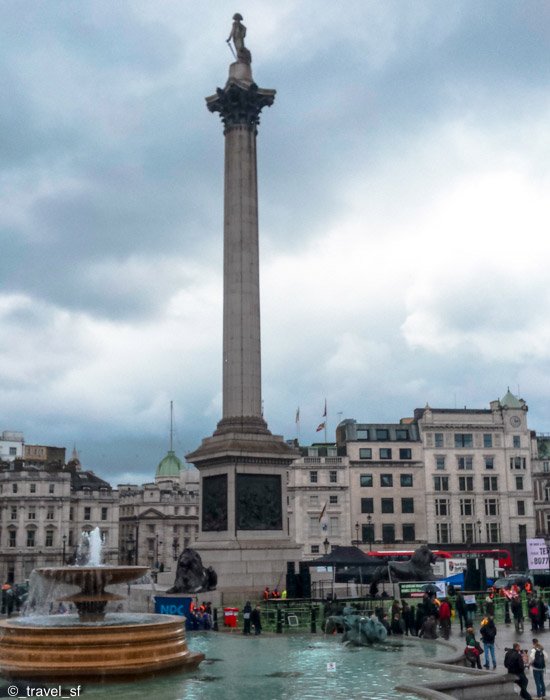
(418, 568)
(191, 576)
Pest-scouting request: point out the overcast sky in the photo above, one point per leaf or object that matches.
(404, 180)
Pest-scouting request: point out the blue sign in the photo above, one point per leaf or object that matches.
(173, 605)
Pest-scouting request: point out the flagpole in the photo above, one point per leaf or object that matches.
(326, 419)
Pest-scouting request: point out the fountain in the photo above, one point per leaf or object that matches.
(93, 643)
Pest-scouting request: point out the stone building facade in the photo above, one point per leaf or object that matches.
(44, 507)
(479, 486)
(318, 499)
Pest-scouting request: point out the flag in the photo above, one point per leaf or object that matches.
(320, 427)
(322, 512)
(325, 411)
(323, 518)
(298, 414)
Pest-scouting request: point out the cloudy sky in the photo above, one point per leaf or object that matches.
(404, 215)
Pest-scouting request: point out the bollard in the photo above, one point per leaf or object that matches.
(215, 620)
(313, 620)
(279, 627)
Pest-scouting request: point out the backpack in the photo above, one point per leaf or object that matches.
(538, 661)
(509, 660)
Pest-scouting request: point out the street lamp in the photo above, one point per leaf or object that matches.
(326, 545)
(130, 546)
(64, 538)
(356, 541)
(158, 542)
(175, 547)
(478, 523)
(369, 520)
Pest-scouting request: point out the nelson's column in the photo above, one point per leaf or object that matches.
(243, 530)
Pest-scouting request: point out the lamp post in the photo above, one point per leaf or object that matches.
(478, 523)
(326, 545)
(64, 539)
(369, 520)
(157, 543)
(130, 545)
(175, 547)
(356, 541)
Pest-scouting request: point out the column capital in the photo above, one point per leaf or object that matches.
(240, 103)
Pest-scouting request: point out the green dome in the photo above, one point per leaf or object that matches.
(170, 466)
(511, 401)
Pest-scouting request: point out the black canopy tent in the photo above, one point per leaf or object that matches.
(348, 563)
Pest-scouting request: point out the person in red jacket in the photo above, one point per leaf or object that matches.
(445, 618)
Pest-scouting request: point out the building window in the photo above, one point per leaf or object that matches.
(104, 512)
(519, 483)
(546, 466)
(14, 488)
(489, 461)
(467, 531)
(442, 507)
(493, 532)
(333, 476)
(365, 480)
(440, 461)
(50, 513)
(334, 526)
(521, 507)
(522, 532)
(31, 515)
(362, 434)
(464, 440)
(314, 526)
(30, 538)
(487, 440)
(365, 453)
(387, 505)
(491, 506)
(443, 532)
(517, 463)
(465, 483)
(313, 499)
(315, 549)
(49, 538)
(407, 505)
(13, 512)
(441, 483)
(490, 483)
(367, 505)
(71, 513)
(465, 462)
(51, 488)
(438, 439)
(386, 480)
(401, 434)
(388, 534)
(333, 500)
(382, 434)
(367, 533)
(313, 477)
(385, 453)
(12, 536)
(466, 506)
(32, 488)
(409, 534)
(405, 453)
(87, 513)
(406, 480)
(516, 442)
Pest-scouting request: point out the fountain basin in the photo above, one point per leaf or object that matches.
(61, 647)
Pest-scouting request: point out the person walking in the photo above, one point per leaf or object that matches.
(538, 659)
(517, 613)
(514, 664)
(445, 618)
(473, 649)
(460, 607)
(256, 620)
(488, 633)
(247, 611)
